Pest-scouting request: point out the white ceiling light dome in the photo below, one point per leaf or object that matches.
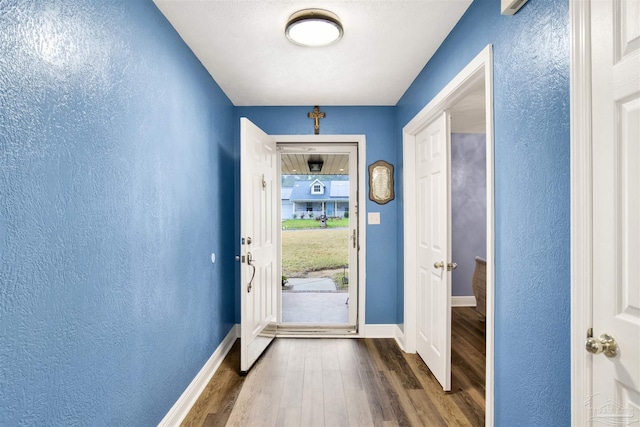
(314, 28)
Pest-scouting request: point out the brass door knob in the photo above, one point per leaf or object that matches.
(452, 266)
(438, 265)
(605, 344)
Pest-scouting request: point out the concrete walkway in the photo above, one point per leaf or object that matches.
(313, 284)
(314, 300)
(315, 307)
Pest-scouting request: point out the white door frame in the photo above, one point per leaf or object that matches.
(361, 142)
(351, 151)
(481, 67)
(581, 206)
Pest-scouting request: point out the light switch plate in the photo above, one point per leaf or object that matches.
(373, 218)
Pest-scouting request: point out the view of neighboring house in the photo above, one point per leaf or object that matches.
(313, 198)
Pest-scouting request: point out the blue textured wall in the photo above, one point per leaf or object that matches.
(468, 207)
(531, 101)
(115, 150)
(379, 125)
(115, 147)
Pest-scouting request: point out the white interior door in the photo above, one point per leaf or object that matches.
(615, 46)
(433, 342)
(258, 226)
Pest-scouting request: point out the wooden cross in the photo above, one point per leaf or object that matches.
(316, 115)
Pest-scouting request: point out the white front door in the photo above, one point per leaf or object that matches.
(615, 44)
(258, 227)
(433, 249)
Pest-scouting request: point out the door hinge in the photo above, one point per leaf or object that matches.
(264, 183)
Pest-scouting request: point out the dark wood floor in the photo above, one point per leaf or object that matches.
(348, 382)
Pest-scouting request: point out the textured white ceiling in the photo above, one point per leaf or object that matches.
(242, 44)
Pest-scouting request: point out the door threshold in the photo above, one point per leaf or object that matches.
(306, 330)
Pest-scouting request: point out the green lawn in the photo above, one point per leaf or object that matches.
(313, 250)
(297, 224)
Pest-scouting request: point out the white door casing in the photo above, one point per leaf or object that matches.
(433, 248)
(258, 226)
(481, 67)
(605, 118)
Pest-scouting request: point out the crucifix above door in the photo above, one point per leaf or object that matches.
(316, 115)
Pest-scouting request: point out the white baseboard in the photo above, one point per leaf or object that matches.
(185, 402)
(379, 331)
(469, 301)
(384, 331)
(400, 337)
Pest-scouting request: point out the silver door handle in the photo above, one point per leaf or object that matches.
(452, 266)
(253, 274)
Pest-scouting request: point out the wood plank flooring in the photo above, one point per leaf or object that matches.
(348, 382)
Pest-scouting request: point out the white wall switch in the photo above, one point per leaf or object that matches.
(373, 218)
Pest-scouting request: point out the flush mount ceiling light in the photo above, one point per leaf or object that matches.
(314, 28)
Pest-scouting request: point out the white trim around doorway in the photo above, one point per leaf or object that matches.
(481, 67)
(360, 140)
(581, 206)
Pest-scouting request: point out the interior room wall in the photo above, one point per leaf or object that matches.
(116, 151)
(115, 147)
(468, 207)
(532, 212)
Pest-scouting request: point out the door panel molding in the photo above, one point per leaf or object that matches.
(481, 67)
